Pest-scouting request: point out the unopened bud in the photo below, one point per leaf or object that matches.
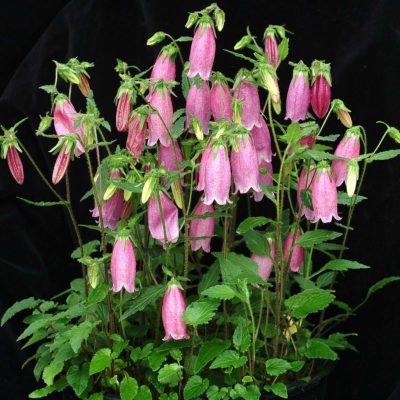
(197, 128)
(394, 134)
(93, 274)
(352, 177)
(237, 109)
(242, 43)
(219, 16)
(109, 192)
(193, 17)
(84, 85)
(342, 113)
(177, 194)
(45, 123)
(148, 189)
(156, 38)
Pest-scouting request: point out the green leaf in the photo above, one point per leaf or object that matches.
(184, 39)
(343, 265)
(308, 301)
(185, 84)
(256, 242)
(293, 133)
(221, 292)
(178, 127)
(325, 279)
(88, 249)
(98, 294)
(382, 283)
(277, 366)
(328, 138)
(296, 366)
(241, 337)
(58, 386)
(146, 297)
(279, 389)
(96, 396)
(100, 361)
(283, 48)
(156, 358)
(345, 200)
(251, 223)
(208, 351)
(227, 359)
(200, 312)
(43, 203)
(79, 333)
(128, 388)
(339, 341)
(78, 378)
(317, 348)
(311, 238)
(210, 278)
(144, 393)
(51, 371)
(170, 374)
(50, 89)
(195, 387)
(384, 155)
(22, 305)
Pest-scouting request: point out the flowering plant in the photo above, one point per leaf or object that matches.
(179, 285)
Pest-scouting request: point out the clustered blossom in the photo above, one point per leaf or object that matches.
(123, 265)
(198, 105)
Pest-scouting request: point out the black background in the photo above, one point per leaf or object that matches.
(360, 38)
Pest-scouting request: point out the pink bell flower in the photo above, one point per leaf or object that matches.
(136, 136)
(264, 177)
(221, 101)
(160, 99)
(198, 104)
(61, 165)
(298, 97)
(348, 147)
(244, 165)
(271, 48)
(202, 52)
(324, 194)
(203, 161)
(64, 123)
(155, 219)
(15, 164)
(305, 182)
(217, 176)
(308, 141)
(123, 265)
(321, 88)
(164, 68)
(294, 258)
(247, 93)
(166, 157)
(172, 311)
(262, 141)
(265, 263)
(202, 227)
(123, 112)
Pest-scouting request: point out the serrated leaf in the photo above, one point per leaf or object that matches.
(381, 284)
(279, 389)
(208, 351)
(96, 396)
(88, 249)
(156, 358)
(384, 155)
(79, 333)
(210, 278)
(308, 301)
(200, 312)
(100, 361)
(128, 388)
(339, 341)
(241, 337)
(328, 138)
(50, 89)
(25, 304)
(195, 387)
(42, 203)
(343, 265)
(222, 292)
(228, 359)
(178, 127)
(256, 242)
(325, 279)
(317, 348)
(184, 39)
(283, 49)
(98, 294)
(58, 386)
(170, 374)
(144, 393)
(277, 366)
(251, 223)
(51, 371)
(296, 366)
(345, 200)
(311, 238)
(78, 378)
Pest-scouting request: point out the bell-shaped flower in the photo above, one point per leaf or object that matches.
(217, 176)
(264, 178)
(65, 117)
(271, 48)
(123, 112)
(262, 141)
(294, 255)
(305, 181)
(321, 88)
(265, 263)
(172, 312)
(348, 147)
(198, 104)
(162, 216)
(298, 97)
(136, 135)
(15, 164)
(324, 194)
(202, 52)
(221, 101)
(170, 157)
(164, 68)
(244, 165)
(202, 229)
(247, 93)
(160, 122)
(203, 162)
(123, 265)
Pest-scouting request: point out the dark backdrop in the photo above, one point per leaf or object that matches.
(361, 38)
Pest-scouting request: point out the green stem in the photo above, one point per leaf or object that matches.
(271, 123)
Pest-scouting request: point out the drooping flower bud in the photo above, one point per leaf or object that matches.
(305, 181)
(202, 228)
(15, 164)
(321, 88)
(348, 147)
(61, 164)
(271, 48)
(172, 311)
(352, 177)
(217, 176)
(244, 165)
(202, 52)
(162, 215)
(170, 158)
(265, 263)
(262, 140)
(164, 67)
(203, 163)
(126, 210)
(324, 194)
(221, 101)
(219, 16)
(307, 141)
(298, 97)
(247, 93)
(342, 112)
(269, 81)
(294, 255)
(84, 85)
(123, 112)
(64, 123)
(198, 104)
(123, 265)
(136, 135)
(160, 99)
(264, 178)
